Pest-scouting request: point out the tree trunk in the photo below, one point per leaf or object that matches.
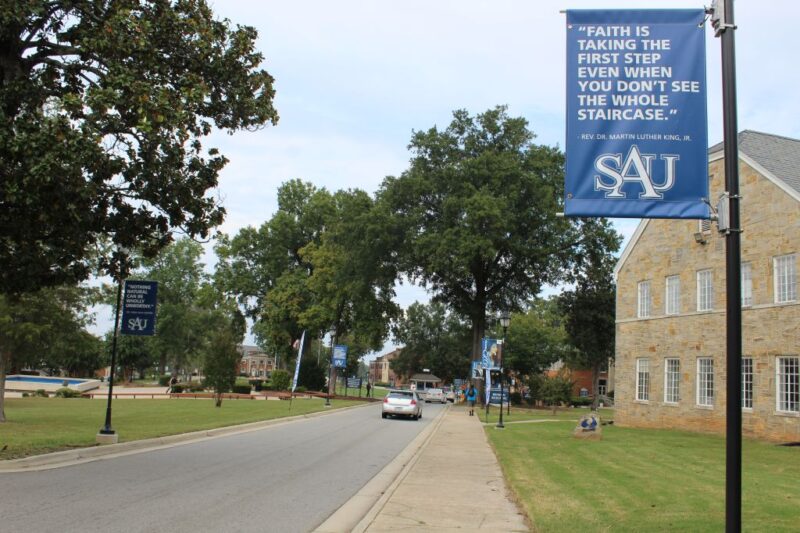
(218, 399)
(2, 387)
(595, 384)
(478, 331)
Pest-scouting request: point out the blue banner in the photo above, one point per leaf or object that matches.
(139, 308)
(490, 354)
(637, 135)
(340, 356)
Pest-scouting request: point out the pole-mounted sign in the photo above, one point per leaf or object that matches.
(340, 356)
(139, 308)
(636, 114)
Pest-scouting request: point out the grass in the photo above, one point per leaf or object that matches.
(640, 479)
(42, 425)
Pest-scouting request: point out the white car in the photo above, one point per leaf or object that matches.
(435, 395)
(402, 403)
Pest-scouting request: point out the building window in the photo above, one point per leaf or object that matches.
(673, 297)
(705, 381)
(788, 382)
(747, 382)
(672, 380)
(785, 279)
(643, 380)
(602, 387)
(747, 284)
(644, 299)
(705, 291)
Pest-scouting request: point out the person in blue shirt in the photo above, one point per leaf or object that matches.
(472, 396)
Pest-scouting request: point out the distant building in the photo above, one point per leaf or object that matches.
(582, 380)
(380, 370)
(671, 301)
(255, 362)
(425, 381)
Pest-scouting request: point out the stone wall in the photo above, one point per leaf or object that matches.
(771, 223)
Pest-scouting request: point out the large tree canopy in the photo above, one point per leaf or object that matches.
(103, 104)
(478, 209)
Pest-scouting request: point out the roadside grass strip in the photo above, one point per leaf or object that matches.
(42, 425)
(641, 479)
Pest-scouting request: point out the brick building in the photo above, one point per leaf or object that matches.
(671, 292)
(255, 362)
(380, 370)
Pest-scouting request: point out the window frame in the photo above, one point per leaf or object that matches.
(705, 290)
(675, 297)
(747, 384)
(784, 293)
(642, 386)
(705, 383)
(787, 398)
(672, 381)
(747, 284)
(644, 299)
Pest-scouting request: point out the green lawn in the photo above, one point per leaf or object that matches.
(41, 425)
(640, 480)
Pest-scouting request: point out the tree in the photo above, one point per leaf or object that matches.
(312, 374)
(220, 363)
(535, 340)
(477, 209)
(103, 106)
(432, 338)
(36, 327)
(589, 310)
(555, 390)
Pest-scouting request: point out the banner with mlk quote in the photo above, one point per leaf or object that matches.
(636, 114)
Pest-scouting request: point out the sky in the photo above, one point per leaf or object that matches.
(354, 79)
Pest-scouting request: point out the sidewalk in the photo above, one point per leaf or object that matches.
(453, 482)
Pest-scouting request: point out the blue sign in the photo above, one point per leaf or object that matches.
(340, 356)
(490, 354)
(495, 397)
(139, 308)
(637, 134)
(476, 371)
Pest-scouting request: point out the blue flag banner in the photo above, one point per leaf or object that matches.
(490, 354)
(299, 357)
(637, 126)
(340, 356)
(139, 308)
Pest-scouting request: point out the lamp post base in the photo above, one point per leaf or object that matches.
(106, 438)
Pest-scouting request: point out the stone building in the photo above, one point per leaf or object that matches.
(671, 297)
(380, 370)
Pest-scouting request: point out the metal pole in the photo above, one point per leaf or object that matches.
(502, 362)
(733, 260)
(107, 430)
(331, 383)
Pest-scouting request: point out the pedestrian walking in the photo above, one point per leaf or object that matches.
(472, 397)
(369, 388)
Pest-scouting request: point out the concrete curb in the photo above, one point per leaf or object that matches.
(358, 512)
(49, 461)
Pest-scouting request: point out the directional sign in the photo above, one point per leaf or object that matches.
(494, 398)
(139, 308)
(340, 356)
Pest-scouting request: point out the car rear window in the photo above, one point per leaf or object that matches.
(401, 394)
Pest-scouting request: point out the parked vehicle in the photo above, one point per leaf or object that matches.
(449, 394)
(402, 403)
(435, 395)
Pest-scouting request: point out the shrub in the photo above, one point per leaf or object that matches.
(196, 387)
(580, 401)
(163, 380)
(177, 388)
(280, 380)
(25, 394)
(267, 385)
(241, 389)
(300, 388)
(516, 398)
(66, 392)
(41, 393)
(257, 384)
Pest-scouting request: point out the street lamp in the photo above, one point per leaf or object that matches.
(505, 320)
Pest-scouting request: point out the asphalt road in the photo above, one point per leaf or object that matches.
(285, 478)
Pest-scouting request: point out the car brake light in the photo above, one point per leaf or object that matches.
(386, 400)
(413, 402)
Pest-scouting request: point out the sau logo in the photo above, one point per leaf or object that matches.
(635, 168)
(137, 324)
